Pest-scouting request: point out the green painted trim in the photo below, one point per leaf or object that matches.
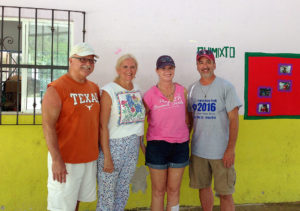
(271, 117)
(246, 87)
(283, 55)
(259, 54)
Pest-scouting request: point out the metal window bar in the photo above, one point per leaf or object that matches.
(17, 66)
(35, 54)
(52, 37)
(1, 62)
(18, 75)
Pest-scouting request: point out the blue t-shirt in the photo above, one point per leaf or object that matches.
(210, 105)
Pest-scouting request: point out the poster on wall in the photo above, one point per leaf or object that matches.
(272, 86)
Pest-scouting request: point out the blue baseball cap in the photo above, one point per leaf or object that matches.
(163, 61)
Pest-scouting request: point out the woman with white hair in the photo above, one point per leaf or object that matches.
(122, 117)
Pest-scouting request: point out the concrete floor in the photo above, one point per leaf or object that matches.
(295, 206)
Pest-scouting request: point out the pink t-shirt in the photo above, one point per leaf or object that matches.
(166, 119)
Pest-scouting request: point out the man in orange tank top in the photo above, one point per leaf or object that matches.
(70, 112)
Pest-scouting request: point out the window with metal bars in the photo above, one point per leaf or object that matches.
(34, 50)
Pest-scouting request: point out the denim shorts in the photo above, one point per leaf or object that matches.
(163, 155)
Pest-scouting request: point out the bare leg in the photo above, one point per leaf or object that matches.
(77, 206)
(159, 186)
(226, 203)
(206, 198)
(173, 186)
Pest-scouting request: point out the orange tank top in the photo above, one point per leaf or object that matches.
(77, 127)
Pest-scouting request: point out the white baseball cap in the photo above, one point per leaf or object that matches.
(83, 49)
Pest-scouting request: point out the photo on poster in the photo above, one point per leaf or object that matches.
(265, 92)
(285, 69)
(284, 85)
(264, 108)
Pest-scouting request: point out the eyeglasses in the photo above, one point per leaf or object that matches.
(85, 60)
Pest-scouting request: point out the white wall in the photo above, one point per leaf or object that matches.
(148, 29)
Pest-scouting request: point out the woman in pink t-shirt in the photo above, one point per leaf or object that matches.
(167, 151)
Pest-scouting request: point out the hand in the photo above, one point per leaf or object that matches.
(108, 165)
(59, 171)
(143, 148)
(228, 158)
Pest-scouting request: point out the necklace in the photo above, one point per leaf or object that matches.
(202, 90)
(169, 95)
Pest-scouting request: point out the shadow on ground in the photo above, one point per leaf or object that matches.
(295, 206)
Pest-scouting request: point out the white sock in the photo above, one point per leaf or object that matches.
(175, 208)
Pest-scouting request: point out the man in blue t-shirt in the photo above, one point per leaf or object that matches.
(213, 106)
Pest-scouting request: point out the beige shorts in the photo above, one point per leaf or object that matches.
(201, 171)
(80, 186)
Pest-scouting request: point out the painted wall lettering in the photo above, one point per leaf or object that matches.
(225, 52)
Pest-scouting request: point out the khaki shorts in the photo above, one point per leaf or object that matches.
(201, 171)
(80, 186)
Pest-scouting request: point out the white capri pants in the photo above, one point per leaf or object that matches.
(113, 188)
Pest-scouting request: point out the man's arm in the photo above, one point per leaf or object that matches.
(229, 154)
(191, 122)
(51, 108)
(105, 105)
(188, 115)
